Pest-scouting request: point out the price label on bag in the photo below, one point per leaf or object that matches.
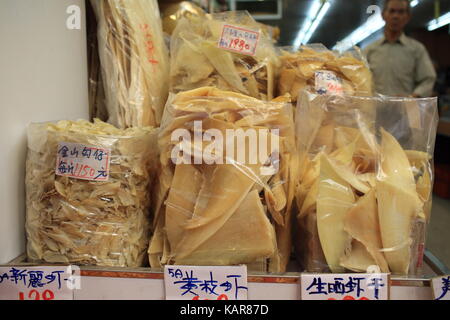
(441, 287)
(327, 82)
(80, 161)
(347, 286)
(205, 282)
(38, 283)
(240, 40)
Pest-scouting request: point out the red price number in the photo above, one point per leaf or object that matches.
(221, 297)
(239, 44)
(350, 298)
(36, 295)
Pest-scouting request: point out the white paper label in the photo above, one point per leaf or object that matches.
(348, 286)
(82, 162)
(240, 40)
(441, 287)
(206, 283)
(327, 82)
(36, 283)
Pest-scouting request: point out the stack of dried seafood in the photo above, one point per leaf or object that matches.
(299, 68)
(197, 59)
(226, 188)
(134, 60)
(70, 220)
(364, 199)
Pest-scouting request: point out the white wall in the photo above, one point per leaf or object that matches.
(43, 76)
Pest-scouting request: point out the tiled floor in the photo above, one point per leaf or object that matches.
(438, 233)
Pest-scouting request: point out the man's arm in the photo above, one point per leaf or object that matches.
(425, 75)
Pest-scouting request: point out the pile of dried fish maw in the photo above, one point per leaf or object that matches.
(197, 61)
(234, 212)
(89, 222)
(363, 199)
(134, 61)
(298, 70)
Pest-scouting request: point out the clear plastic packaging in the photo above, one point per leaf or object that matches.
(71, 220)
(366, 176)
(171, 13)
(226, 181)
(299, 70)
(197, 60)
(134, 61)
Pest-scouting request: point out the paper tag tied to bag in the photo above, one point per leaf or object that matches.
(327, 82)
(80, 161)
(240, 40)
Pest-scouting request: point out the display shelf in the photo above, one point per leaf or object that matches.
(101, 283)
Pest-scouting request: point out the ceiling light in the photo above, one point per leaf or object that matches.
(315, 15)
(439, 22)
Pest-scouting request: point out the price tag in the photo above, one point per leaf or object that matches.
(441, 287)
(327, 82)
(206, 283)
(82, 162)
(347, 286)
(237, 39)
(38, 283)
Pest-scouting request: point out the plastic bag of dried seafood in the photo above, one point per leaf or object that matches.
(329, 72)
(229, 51)
(366, 176)
(87, 193)
(134, 61)
(226, 183)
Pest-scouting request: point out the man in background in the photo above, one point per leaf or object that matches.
(400, 65)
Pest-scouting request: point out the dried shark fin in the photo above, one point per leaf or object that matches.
(237, 242)
(362, 224)
(397, 210)
(357, 258)
(335, 197)
(180, 202)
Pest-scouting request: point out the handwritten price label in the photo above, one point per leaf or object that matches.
(348, 286)
(327, 82)
(82, 162)
(36, 283)
(205, 283)
(237, 39)
(441, 287)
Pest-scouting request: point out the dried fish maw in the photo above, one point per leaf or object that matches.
(397, 209)
(244, 238)
(362, 224)
(358, 259)
(181, 200)
(335, 197)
